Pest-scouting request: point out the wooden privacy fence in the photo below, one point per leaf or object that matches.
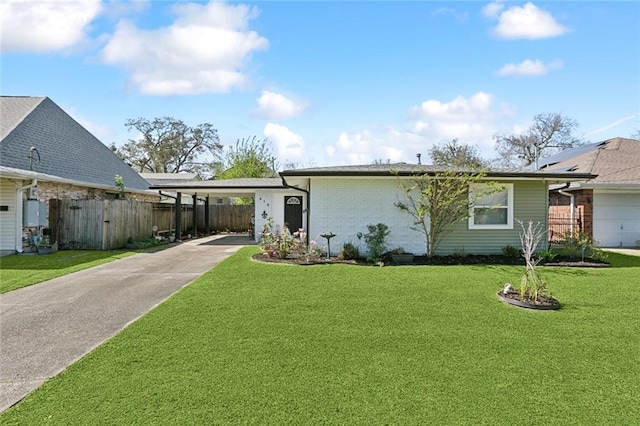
(108, 224)
(226, 218)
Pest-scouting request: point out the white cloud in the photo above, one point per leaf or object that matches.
(472, 121)
(290, 147)
(493, 9)
(203, 51)
(45, 25)
(367, 146)
(529, 67)
(527, 22)
(276, 106)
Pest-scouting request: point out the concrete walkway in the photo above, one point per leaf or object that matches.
(46, 327)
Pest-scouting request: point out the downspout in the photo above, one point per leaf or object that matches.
(19, 213)
(571, 203)
(308, 203)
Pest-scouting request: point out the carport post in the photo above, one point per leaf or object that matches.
(179, 216)
(207, 231)
(195, 216)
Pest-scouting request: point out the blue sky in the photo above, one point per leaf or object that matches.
(330, 82)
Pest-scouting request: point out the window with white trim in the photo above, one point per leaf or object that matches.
(493, 209)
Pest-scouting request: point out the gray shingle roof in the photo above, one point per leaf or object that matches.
(66, 149)
(13, 110)
(407, 169)
(615, 161)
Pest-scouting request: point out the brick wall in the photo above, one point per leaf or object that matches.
(49, 190)
(346, 206)
(583, 202)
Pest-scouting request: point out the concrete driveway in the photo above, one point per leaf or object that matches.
(48, 326)
(628, 251)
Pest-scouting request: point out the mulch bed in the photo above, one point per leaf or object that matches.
(544, 303)
(435, 260)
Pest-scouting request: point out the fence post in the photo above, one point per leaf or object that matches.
(195, 215)
(207, 229)
(179, 216)
(105, 225)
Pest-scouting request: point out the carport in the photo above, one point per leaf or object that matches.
(264, 191)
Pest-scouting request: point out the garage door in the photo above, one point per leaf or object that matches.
(616, 219)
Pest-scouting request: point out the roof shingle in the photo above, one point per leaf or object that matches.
(65, 148)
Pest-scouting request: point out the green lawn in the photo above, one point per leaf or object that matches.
(252, 343)
(17, 271)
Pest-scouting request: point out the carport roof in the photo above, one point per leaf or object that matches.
(230, 187)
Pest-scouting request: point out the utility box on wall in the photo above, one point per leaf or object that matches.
(34, 213)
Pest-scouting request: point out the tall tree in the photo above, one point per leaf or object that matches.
(168, 145)
(549, 133)
(250, 157)
(455, 154)
(437, 201)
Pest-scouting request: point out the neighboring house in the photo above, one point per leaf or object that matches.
(344, 200)
(45, 154)
(607, 207)
(179, 179)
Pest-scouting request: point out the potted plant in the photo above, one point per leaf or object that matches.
(400, 257)
(45, 246)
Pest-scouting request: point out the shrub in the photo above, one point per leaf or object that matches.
(511, 251)
(375, 240)
(579, 246)
(349, 252)
(459, 253)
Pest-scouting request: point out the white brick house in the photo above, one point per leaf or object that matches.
(344, 200)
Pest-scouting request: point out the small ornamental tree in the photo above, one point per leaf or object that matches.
(439, 200)
(531, 285)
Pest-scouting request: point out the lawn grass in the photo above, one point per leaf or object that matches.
(252, 343)
(17, 271)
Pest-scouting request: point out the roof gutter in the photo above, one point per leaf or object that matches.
(167, 195)
(560, 177)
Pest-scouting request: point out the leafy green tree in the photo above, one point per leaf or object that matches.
(438, 200)
(249, 158)
(168, 145)
(455, 154)
(549, 133)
